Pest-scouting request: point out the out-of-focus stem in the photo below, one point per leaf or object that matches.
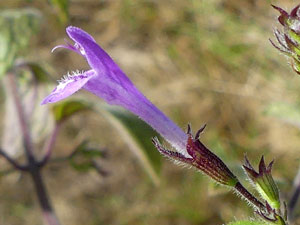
(49, 145)
(48, 213)
(32, 166)
(295, 196)
(12, 161)
(22, 118)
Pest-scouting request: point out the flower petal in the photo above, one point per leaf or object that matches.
(71, 30)
(66, 46)
(68, 86)
(98, 59)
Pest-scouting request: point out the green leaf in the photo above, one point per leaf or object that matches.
(137, 135)
(82, 157)
(39, 73)
(17, 27)
(285, 112)
(81, 167)
(67, 108)
(248, 223)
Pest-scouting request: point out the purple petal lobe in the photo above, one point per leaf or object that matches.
(75, 30)
(71, 47)
(68, 86)
(63, 46)
(98, 59)
(67, 46)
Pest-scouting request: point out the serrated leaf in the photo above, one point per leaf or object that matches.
(248, 223)
(67, 108)
(17, 27)
(285, 112)
(137, 135)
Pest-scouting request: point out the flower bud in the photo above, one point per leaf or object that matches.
(263, 182)
(289, 39)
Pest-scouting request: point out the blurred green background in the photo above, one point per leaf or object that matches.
(200, 61)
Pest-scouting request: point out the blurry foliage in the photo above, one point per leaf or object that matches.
(247, 223)
(220, 69)
(17, 26)
(38, 71)
(40, 119)
(288, 113)
(82, 158)
(68, 108)
(210, 38)
(62, 6)
(137, 134)
(196, 29)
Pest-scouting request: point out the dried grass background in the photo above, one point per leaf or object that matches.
(200, 61)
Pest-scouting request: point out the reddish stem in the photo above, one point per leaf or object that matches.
(244, 192)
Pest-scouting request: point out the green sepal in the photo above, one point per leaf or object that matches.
(268, 190)
(294, 36)
(264, 182)
(279, 221)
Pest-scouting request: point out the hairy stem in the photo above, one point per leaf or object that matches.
(245, 193)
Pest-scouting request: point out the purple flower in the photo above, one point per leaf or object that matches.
(106, 80)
